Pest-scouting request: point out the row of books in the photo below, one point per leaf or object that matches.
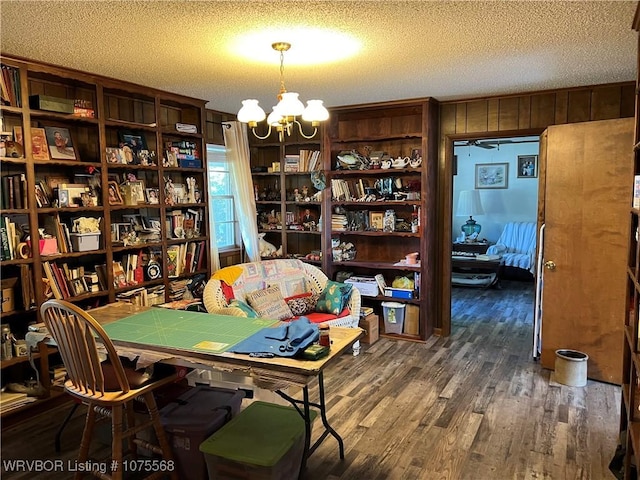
(347, 190)
(185, 258)
(14, 191)
(145, 297)
(305, 161)
(12, 401)
(12, 229)
(179, 223)
(65, 282)
(10, 92)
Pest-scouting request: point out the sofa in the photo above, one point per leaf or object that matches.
(517, 246)
(237, 289)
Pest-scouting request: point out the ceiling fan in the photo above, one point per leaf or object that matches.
(490, 144)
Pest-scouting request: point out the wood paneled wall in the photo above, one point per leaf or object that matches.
(513, 115)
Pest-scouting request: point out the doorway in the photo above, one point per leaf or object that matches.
(494, 183)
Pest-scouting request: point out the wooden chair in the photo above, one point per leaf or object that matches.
(105, 386)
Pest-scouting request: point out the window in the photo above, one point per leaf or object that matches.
(222, 209)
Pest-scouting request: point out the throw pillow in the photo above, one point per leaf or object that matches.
(246, 309)
(302, 304)
(268, 303)
(334, 297)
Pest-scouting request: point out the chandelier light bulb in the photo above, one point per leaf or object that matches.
(274, 118)
(315, 112)
(251, 112)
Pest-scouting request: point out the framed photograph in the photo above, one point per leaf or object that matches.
(39, 147)
(153, 195)
(137, 192)
(115, 197)
(376, 220)
(416, 152)
(60, 144)
(179, 193)
(115, 155)
(78, 286)
(63, 197)
(133, 139)
(41, 196)
(527, 166)
(18, 137)
(492, 175)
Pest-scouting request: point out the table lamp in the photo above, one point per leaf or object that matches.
(469, 203)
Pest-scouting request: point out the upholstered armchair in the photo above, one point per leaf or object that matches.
(517, 246)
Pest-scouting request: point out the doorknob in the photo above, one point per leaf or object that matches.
(551, 265)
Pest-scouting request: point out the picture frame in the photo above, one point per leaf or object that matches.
(115, 196)
(60, 143)
(492, 175)
(527, 166)
(137, 192)
(42, 199)
(376, 220)
(115, 155)
(78, 286)
(153, 195)
(39, 146)
(179, 193)
(63, 197)
(134, 139)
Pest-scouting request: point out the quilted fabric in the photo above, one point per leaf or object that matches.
(269, 303)
(302, 304)
(334, 297)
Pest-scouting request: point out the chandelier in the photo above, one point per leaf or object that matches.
(284, 115)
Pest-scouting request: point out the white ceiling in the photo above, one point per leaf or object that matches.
(443, 49)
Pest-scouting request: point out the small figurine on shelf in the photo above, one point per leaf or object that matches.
(297, 196)
(191, 189)
(305, 194)
(308, 221)
(169, 191)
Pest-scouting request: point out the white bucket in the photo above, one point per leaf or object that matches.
(571, 368)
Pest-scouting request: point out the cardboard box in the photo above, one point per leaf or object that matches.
(405, 293)
(8, 294)
(371, 325)
(367, 286)
(52, 104)
(412, 320)
(83, 242)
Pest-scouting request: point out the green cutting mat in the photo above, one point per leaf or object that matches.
(183, 330)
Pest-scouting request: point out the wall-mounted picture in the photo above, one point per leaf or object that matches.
(492, 175)
(60, 144)
(527, 166)
(376, 220)
(115, 197)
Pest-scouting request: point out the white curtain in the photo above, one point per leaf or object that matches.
(212, 152)
(237, 144)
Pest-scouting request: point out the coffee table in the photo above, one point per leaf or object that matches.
(475, 273)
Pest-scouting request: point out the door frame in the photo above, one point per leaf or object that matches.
(446, 209)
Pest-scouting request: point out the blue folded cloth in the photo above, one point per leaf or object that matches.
(283, 341)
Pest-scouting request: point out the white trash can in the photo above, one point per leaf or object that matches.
(393, 316)
(571, 367)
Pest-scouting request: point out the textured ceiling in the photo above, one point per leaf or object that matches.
(443, 49)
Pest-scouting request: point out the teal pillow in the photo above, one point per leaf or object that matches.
(334, 297)
(249, 312)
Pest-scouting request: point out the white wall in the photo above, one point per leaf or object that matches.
(517, 203)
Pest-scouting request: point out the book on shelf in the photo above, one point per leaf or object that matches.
(636, 191)
(10, 89)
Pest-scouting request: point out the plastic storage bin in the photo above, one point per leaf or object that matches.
(193, 417)
(264, 442)
(393, 316)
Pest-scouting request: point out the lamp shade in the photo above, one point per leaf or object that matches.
(251, 111)
(315, 112)
(290, 105)
(469, 203)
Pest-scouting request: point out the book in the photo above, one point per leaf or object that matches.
(636, 191)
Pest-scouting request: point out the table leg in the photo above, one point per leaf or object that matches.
(305, 414)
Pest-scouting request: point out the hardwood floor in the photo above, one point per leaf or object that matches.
(472, 406)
